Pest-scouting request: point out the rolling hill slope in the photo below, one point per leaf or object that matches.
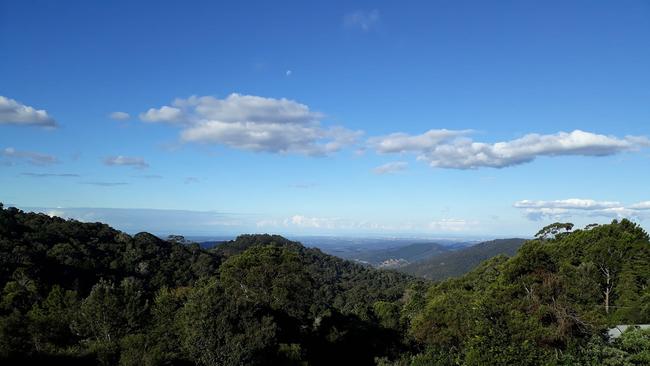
(458, 262)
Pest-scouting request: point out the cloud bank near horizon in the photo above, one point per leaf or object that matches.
(563, 209)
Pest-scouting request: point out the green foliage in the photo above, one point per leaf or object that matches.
(554, 230)
(269, 276)
(632, 348)
(218, 331)
(83, 293)
(544, 306)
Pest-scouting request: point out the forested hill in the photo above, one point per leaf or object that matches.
(547, 305)
(406, 253)
(458, 262)
(84, 294)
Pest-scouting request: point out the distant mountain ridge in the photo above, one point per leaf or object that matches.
(454, 263)
(404, 254)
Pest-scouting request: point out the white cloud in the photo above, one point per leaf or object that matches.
(562, 209)
(163, 114)
(57, 213)
(361, 19)
(402, 142)
(119, 116)
(253, 123)
(120, 160)
(571, 203)
(450, 149)
(451, 225)
(314, 222)
(288, 73)
(645, 205)
(13, 112)
(29, 156)
(390, 168)
(321, 224)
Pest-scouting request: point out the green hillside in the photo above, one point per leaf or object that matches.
(458, 262)
(409, 253)
(84, 294)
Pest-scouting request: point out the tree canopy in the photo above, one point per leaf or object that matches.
(84, 293)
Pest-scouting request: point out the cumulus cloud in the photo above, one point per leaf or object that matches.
(362, 19)
(390, 168)
(164, 114)
(253, 123)
(13, 112)
(402, 142)
(560, 209)
(136, 162)
(451, 149)
(119, 116)
(31, 157)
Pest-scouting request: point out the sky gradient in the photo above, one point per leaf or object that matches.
(441, 118)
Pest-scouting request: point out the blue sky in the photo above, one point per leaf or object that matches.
(449, 118)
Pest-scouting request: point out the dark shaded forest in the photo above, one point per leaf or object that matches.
(83, 293)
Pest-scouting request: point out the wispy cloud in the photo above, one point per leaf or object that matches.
(253, 123)
(452, 225)
(560, 209)
(303, 185)
(645, 205)
(13, 112)
(320, 224)
(160, 221)
(31, 157)
(362, 19)
(149, 176)
(47, 175)
(119, 116)
(390, 168)
(453, 150)
(191, 180)
(106, 184)
(136, 162)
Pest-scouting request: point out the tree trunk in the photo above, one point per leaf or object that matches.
(608, 288)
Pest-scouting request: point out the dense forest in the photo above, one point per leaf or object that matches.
(83, 293)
